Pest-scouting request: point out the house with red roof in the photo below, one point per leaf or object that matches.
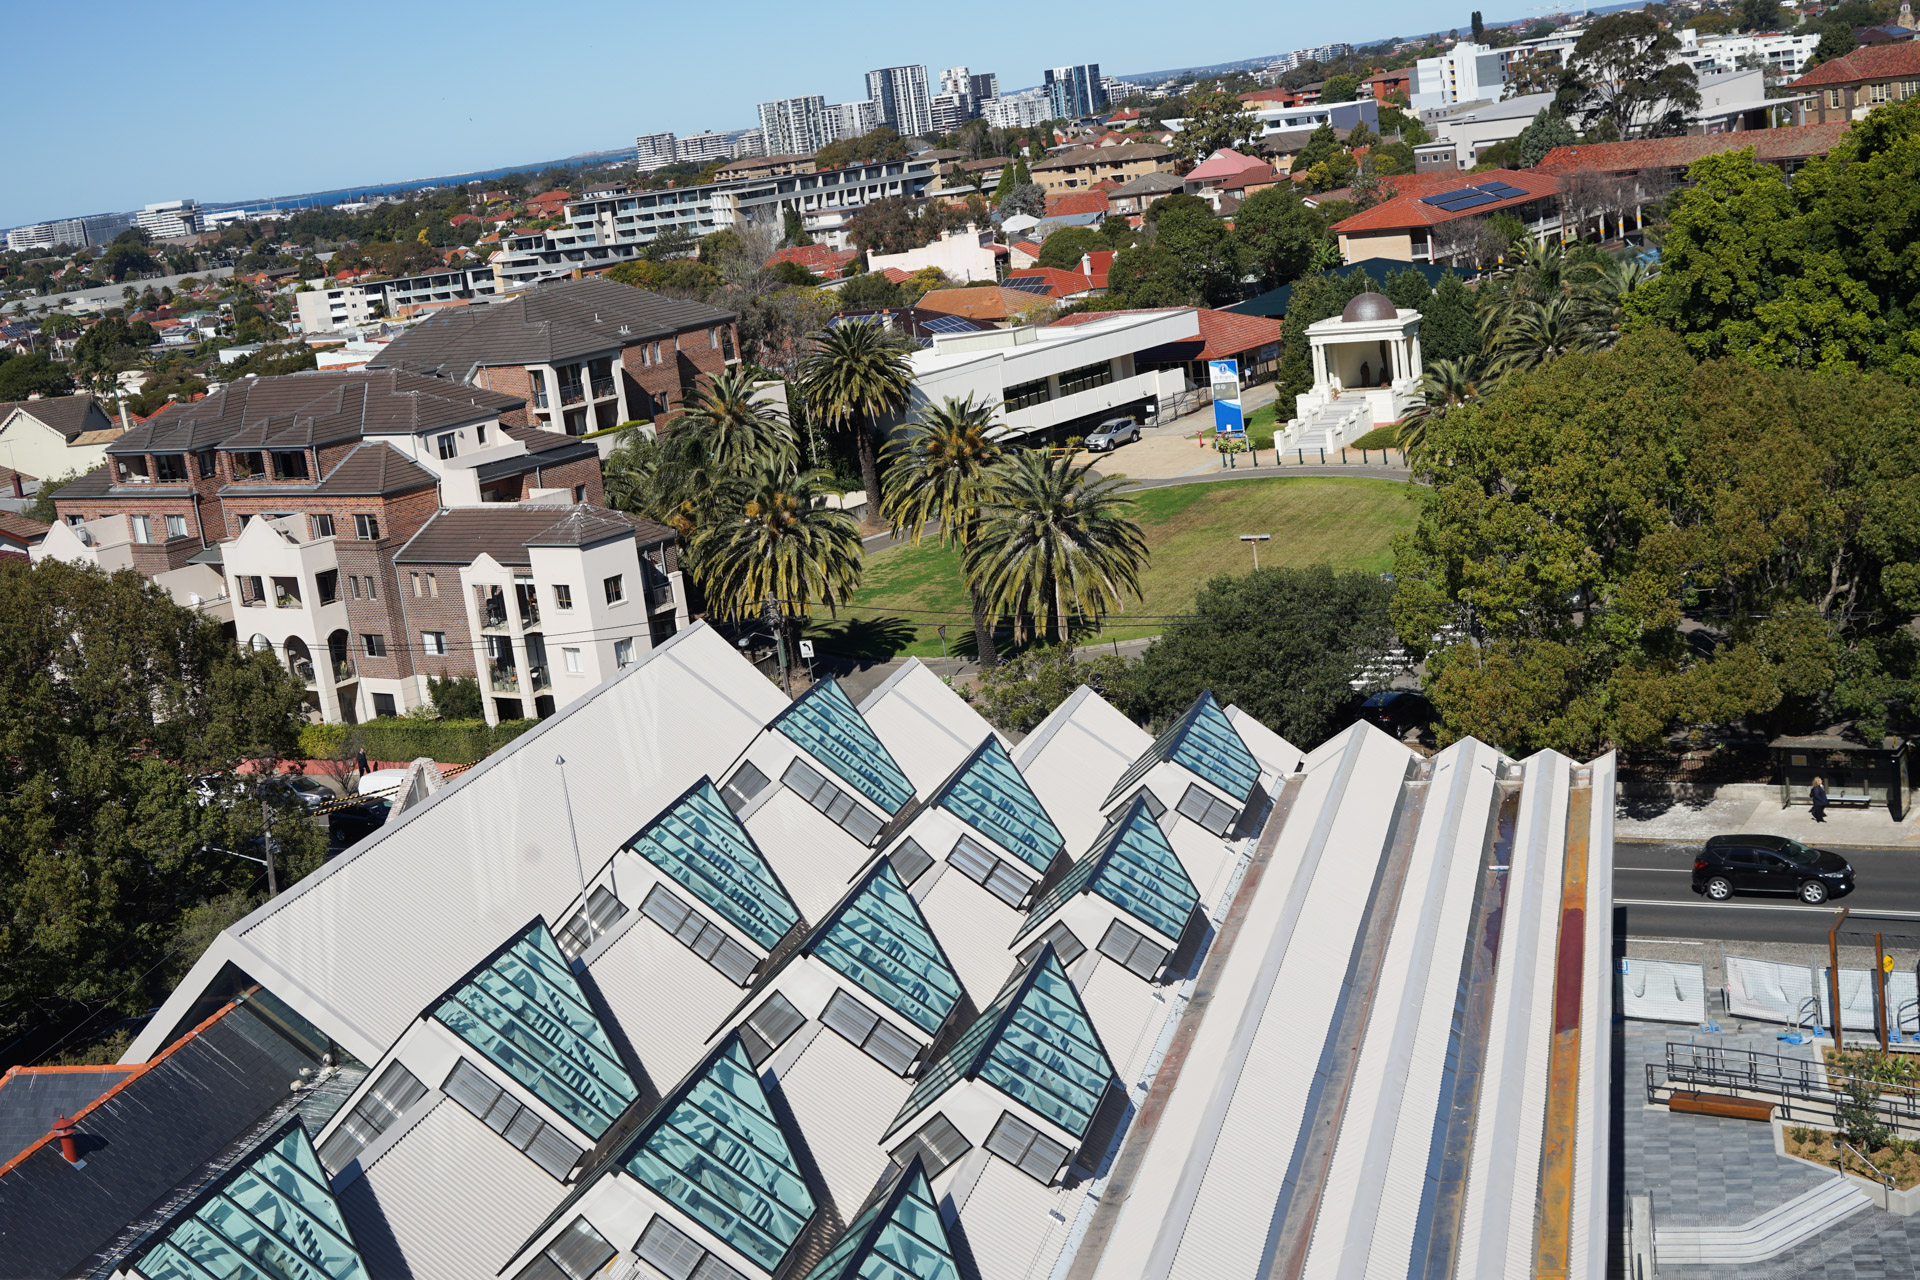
(1849, 87)
(991, 306)
(1067, 203)
(1441, 226)
(1023, 253)
(462, 219)
(822, 260)
(1253, 341)
(1060, 285)
(549, 204)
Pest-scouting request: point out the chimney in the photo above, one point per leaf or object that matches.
(18, 491)
(124, 424)
(64, 1129)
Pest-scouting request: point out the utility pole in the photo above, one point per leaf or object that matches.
(579, 867)
(266, 848)
(775, 621)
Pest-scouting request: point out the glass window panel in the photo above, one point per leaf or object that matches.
(825, 723)
(990, 794)
(1204, 741)
(881, 941)
(910, 861)
(704, 848)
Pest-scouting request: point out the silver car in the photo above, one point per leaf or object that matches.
(1113, 433)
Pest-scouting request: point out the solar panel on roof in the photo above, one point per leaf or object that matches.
(1504, 190)
(1444, 196)
(949, 324)
(1026, 284)
(1473, 201)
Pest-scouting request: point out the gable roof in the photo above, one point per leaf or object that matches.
(1204, 742)
(523, 1010)
(1798, 142)
(716, 1151)
(823, 260)
(1224, 163)
(1133, 866)
(21, 528)
(505, 531)
(825, 724)
(699, 843)
(561, 321)
(69, 415)
(1082, 156)
(878, 939)
(987, 792)
(1416, 211)
(1060, 284)
(1063, 203)
(1150, 184)
(900, 1236)
(1035, 1044)
(375, 467)
(984, 302)
(1868, 62)
(32, 1098)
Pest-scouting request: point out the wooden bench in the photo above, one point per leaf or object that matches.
(1719, 1104)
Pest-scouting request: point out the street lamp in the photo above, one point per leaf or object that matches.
(1256, 539)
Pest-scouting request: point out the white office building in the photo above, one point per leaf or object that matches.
(695, 980)
(1465, 73)
(699, 148)
(795, 126)
(46, 235)
(950, 111)
(750, 143)
(349, 306)
(902, 99)
(169, 219)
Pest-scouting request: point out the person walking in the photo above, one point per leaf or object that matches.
(360, 763)
(1819, 797)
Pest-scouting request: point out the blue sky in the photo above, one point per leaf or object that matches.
(226, 101)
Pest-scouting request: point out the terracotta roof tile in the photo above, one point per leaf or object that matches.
(985, 302)
(1868, 62)
(1224, 164)
(826, 262)
(1795, 143)
(1414, 211)
(1074, 202)
(1222, 333)
(23, 528)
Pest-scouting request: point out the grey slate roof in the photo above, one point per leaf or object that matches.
(1104, 155)
(32, 1099)
(94, 484)
(561, 321)
(544, 449)
(159, 1128)
(298, 410)
(505, 531)
(69, 415)
(1149, 184)
(374, 467)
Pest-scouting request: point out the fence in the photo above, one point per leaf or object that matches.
(1800, 994)
(1795, 1081)
(1664, 991)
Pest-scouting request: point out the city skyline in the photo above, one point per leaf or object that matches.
(384, 130)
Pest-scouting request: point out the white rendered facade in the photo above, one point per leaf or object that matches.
(902, 98)
(655, 150)
(1375, 361)
(1463, 73)
(853, 119)
(169, 219)
(1016, 111)
(795, 126)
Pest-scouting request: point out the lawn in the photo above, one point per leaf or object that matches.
(1192, 532)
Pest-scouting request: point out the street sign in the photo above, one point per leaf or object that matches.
(806, 649)
(1224, 375)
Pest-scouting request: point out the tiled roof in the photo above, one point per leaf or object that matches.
(899, 275)
(1256, 174)
(824, 261)
(984, 302)
(1224, 164)
(1071, 202)
(1868, 62)
(1027, 247)
(1796, 143)
(296, 410)
(374, 467)
(1149, 184)
(552, 323)
(1223, 334)
(504, 531)
(69, 415)
(32, 1098)
(8, 475)
(1060, 284)
(23, 528)
(1099, 262)
(1414, 211)
(1082, 156)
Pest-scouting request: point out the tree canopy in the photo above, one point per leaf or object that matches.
(1216, 120)
(1279, 235)
(1622, 79)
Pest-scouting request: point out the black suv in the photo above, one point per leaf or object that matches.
(1769, 864)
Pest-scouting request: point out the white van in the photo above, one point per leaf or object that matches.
(379, 780)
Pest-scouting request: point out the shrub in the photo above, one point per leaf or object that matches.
(394, 738)
(455, 697)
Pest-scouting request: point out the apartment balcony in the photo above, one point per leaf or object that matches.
(344, 670)
(286, 600)
(542, 677)
(659, 596)
(304, 672)
(540, 398)
(494, 617)
(505, 679)
(574, 394)
(602, 388)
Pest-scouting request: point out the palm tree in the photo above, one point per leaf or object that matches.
(1540, 332)
(1446, 385)
(1602, 293)
(736, 428)
(939, 471)
(778, 554)
(856, 375)
(1052, 545)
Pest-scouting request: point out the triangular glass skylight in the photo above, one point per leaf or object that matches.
(1035, 1044)
(702, 846)
(899, 1237)
(989, 793)
(1134, 867)
(1203, 740)
(831, 729)
(878, 938)
(274, 1217)
(525, 1012)
(716, 1152)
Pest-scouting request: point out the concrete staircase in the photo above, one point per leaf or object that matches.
(1331, 425)
(1767, 1236)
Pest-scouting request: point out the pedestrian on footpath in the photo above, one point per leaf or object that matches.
(360, 763)
(1819, 797)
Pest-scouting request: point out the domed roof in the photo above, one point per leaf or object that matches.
(1369, 306)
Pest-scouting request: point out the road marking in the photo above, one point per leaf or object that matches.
(1670, 870)
(1758, 906)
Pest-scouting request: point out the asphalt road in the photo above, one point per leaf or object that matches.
(1653, 884)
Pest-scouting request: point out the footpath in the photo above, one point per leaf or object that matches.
(1754, 809)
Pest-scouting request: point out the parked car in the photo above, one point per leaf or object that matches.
(308, 792)
(1769, 864)
(350, 824)
(1397, 711)
(1113, 433)
(379, 780)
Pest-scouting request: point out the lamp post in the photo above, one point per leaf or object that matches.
(1254, 540)
(579, 868)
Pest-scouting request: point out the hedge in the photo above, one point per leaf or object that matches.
(395, 738)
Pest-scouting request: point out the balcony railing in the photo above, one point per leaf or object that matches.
(493, 616)
(505, 679)
(252, 602)
(659, 595)
(572, 394)
(304, 670)
(343, 670)
(542, 677)
(529, 614)
(602, 387)
(286, 600)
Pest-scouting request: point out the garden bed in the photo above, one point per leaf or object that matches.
(1897, 1158)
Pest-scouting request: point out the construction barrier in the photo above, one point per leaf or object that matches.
(1663, 991)
(1799, 994)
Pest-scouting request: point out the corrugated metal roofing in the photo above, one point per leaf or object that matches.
(915, 714)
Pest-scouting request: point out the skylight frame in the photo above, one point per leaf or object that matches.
(700, 844)
(825, 724)
(989, 793)
(852, 940)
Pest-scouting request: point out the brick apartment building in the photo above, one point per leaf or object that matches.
(580, 355)
(291, 495)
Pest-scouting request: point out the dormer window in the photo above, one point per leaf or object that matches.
(290, 464)
(169, 466)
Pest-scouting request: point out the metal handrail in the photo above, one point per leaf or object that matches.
(1790, 1079)
(1886, 1180)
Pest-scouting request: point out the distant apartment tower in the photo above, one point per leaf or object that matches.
(796, 126)
(655, 150)
(853, 119)
(1017, 111)
(750, 143)
(169, 219)
(699, 148)
(950, 111)
(1073, 92)
(983, 85)
(901, 93)
(45, 235)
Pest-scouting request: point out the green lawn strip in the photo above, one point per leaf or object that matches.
(1192, 532)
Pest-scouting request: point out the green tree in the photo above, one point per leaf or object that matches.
(857, 376)
(1150, 275)
(1065, 247)
(1279, 235)
(1408, 289)
(1205, 247)
(1322, 146)
(869, 291)
(1341, 88)
(739, 427)
(1026, 199)
(1280, 643)
(1836, 41)
(1053, 548)
(1623, 74)
(1449, 329)
(1479, 28)
(793, 227)
(1548, 130)
(1445, 385)
(455, 697)
(1024, 689)
(31, 374)
(784, 551)
(109, 853)
(1390, 158)
(939, 475)
(1216, 120)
